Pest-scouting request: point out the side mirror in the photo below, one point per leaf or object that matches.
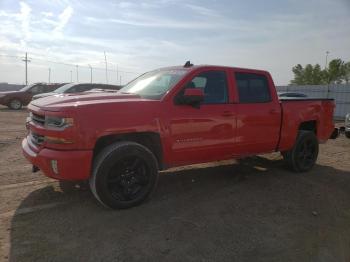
(193, 96)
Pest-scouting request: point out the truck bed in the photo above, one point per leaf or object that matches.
(313, 111)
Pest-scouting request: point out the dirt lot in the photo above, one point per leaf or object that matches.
(255, 210)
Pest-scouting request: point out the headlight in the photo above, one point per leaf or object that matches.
(58, 122)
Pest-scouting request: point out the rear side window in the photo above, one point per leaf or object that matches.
(252, 88)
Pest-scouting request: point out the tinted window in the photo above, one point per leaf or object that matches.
(84, 88)
(49, 88)
(252, 88)
(79, 88)
(214, 86)
(37, 89)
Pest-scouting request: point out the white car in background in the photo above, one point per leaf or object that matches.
(347, 125)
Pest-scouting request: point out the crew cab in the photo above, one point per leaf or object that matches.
(171, 117)
(16, 99)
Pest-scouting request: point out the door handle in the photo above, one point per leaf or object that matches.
(227, 113)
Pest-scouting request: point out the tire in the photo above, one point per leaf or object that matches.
(15, 104)
(302, 157)
(347, 134)
(124, 175)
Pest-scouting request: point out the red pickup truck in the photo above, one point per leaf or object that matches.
(171, 117)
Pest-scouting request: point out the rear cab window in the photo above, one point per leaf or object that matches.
(252, 88)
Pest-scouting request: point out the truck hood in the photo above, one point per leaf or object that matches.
(61, 102)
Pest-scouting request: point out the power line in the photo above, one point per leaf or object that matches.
(71, 65)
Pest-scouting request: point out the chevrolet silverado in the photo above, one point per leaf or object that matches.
(171, 117)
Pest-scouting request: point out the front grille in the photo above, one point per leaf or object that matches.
(37, 139)
(38, 119)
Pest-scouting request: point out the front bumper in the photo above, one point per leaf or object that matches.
(72, 165)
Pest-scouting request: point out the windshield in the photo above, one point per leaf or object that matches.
(155, 84)
(63, 89)
(26, 88)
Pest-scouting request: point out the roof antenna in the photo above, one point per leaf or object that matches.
(188, 64)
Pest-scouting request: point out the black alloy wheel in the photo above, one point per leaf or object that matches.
(124, 175)
(302, 157)
(128, 179)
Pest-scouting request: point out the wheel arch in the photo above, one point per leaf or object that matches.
(150, 140)
(310, 125)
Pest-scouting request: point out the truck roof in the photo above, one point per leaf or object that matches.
(195, 67)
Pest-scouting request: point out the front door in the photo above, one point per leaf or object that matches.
(206, 133)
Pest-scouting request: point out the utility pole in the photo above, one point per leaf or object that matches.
(77, 74)
(325, 67)
(117, 74)
(106, 67)
(49, 75)
(90, 73)
(71, 76)
(328, 90)
(120, 80)
(26, 63)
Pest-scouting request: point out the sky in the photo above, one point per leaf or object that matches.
(64, 38)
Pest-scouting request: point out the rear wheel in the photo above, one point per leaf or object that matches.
(302, 157)
(15, 104)
(124, 175)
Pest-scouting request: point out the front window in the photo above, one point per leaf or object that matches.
(155, 84)
(26, 88)
(37, 89)
(64, 89)
(214, 86)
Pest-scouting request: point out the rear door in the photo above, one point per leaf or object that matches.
(258, 113)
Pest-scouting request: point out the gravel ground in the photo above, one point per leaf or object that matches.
(252, 210)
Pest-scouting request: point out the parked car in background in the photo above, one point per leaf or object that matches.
(16, 99)
(347, 125)
(77, 88)
(290, 94)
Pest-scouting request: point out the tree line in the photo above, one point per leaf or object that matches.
(336, 72)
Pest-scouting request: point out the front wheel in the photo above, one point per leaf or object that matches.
(302, 157)
(124, 175)
(15, 104)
